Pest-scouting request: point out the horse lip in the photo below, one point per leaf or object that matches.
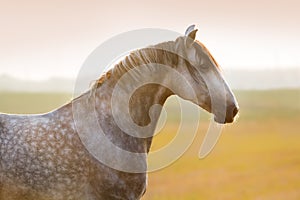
(219, 121)
(229, 117)
(223, 120)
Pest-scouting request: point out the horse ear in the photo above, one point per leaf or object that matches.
(190, 34)
(189, 29)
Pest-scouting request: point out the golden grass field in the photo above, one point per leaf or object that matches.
(258, 157)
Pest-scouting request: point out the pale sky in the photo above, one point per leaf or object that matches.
(43, 39)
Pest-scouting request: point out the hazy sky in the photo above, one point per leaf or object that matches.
(40, 39)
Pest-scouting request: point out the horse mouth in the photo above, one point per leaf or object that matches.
(229, 117)
(222, 120)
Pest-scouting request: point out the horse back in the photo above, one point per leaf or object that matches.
(41, 156)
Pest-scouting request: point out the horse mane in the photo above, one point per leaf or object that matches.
(159, 53)
(162, 53)
(208, 52)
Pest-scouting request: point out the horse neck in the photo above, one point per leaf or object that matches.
(140, 106)
(140, 111)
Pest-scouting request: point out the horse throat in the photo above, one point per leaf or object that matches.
(146, 103)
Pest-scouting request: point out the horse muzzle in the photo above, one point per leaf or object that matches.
(231, 112)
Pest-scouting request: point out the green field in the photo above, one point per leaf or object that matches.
(258, 157)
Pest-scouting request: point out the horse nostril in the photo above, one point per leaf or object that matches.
(235, 111)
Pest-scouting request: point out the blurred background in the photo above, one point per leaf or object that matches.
(257, 43)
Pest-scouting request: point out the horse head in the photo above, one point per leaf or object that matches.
(204, 75)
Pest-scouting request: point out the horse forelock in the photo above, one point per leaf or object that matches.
(208, 53)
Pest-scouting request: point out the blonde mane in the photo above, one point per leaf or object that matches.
(162, 53)
(159, 54)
